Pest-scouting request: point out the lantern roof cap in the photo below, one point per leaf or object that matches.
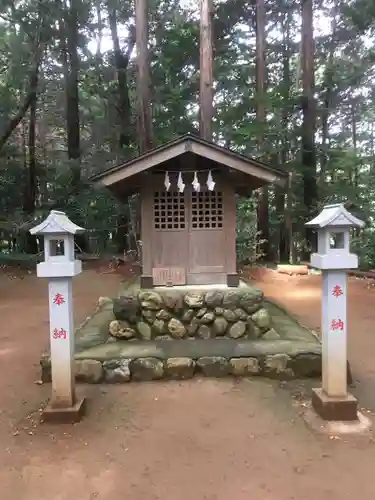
(57, 223)
(335, 215)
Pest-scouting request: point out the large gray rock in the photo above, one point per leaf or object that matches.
(176, 328)
(219, 311)
(163, 314)
(229, 315)
(146, 369)
(45, 364)
(213, 366)
(193, 327)
(89, 371)
(194, 300)
(179, 368)
(121, 330)
(159, 327)
(231, 299)
(204, 332)
(241, 367)
(173, 300)
(262, 319)
(207, 318)
(213, 298)
(148, 315)
(253, 330)
(251, 300)
(126, 308)
(144, 330)
(271, 335)
(188, 316)
(219, 326)
(241, 314)
(201, 312)
(116, 371)
(237, 330)
(308, 365)
(277, 366)
(150, 300)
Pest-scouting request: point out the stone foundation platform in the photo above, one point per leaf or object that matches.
(120, 362)
(176, 334)
(181, 313)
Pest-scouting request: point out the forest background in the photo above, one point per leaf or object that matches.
(293, 85)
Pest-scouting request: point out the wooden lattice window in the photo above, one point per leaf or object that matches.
(207, 210)
(169, 210)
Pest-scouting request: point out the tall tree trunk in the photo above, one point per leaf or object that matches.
(143, 77)
(69, 47)
(372, 141)
(31, 178)
(354, 174)
(328, 96)
(98, 8)
(121, 59)
(263, 198)
(72, 99)
(372, 152)
(310, 194)
(282, 209)
(144, 105)
(42, 134)
(97, 131)
(206, 75)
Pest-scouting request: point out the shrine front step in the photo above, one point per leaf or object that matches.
(123, 362)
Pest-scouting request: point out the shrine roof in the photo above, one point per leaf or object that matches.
(264, 173)
(335, 215)
(57, 223)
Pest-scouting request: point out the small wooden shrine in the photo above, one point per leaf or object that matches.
(188, 193)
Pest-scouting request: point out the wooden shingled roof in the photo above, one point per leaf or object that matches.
(225, 158)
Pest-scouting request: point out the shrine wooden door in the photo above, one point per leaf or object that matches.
(170, 238)
(206, 237)
(193, 238)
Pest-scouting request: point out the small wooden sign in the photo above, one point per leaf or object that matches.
(169, 276)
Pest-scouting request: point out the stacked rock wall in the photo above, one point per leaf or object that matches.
(115, 371)
(239, 334)
(175, 314)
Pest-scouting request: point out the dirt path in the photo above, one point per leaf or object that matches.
(203, 439)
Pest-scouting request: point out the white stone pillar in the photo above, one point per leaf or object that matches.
(62, 342)
(333, 257)
(334, 333)
(59, 267)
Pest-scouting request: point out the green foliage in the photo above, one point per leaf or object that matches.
(247, 237)
(20, 260)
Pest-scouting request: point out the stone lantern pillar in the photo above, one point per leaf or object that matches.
(332, 401)
(59, 267)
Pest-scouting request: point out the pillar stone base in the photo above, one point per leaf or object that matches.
(342, 408)
(69, 415)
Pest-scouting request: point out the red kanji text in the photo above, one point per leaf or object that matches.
(58, 299)
(337, 324)
(336, 292)
(59, 333)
